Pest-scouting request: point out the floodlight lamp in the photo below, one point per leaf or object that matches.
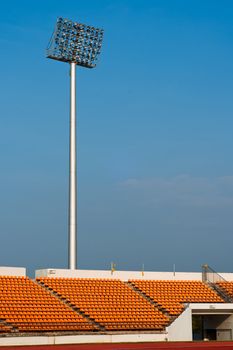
(75, 43)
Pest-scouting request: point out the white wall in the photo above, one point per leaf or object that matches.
(12, 271)
(227, 276)
(82, 339)
(181, 328)
(122, 275)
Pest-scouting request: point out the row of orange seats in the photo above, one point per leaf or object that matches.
(4, 328)
(107, 300)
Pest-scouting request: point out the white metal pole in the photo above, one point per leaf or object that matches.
(73, 173)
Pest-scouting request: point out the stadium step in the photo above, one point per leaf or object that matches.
(151, 301)
(74, 308)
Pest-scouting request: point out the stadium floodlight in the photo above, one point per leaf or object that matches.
(76, 44)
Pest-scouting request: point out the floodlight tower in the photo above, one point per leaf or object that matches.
(76, 44)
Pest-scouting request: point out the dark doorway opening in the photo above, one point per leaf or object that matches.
(197, 324)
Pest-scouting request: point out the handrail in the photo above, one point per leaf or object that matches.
(210, 275)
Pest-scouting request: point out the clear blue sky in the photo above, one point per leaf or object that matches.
(155, 138)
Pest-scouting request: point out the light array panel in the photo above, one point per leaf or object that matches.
(75, 42)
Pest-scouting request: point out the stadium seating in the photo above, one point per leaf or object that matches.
(111, 303)
(30, 308)
(92, 305)
(171, 295)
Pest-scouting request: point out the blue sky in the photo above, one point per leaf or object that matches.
(154, 136)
